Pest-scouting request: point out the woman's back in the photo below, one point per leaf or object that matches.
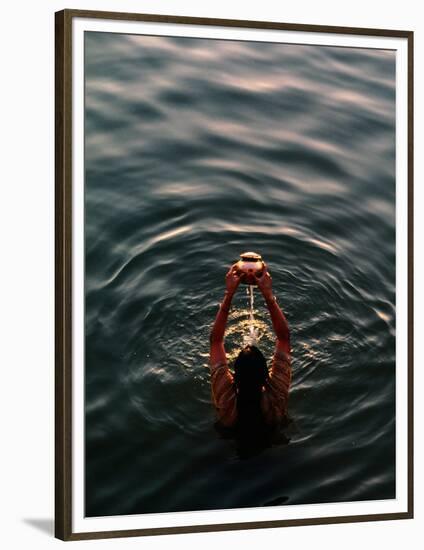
(269, 406)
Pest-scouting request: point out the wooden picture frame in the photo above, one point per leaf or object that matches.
(65, 429)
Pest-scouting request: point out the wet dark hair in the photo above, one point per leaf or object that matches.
(250, 375)
(252, 433)
(250, 370)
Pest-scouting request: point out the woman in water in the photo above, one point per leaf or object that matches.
(254, 400)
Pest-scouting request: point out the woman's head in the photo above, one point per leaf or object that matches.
(250, 370)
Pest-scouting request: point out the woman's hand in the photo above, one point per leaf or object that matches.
(232, 280)
(264, 283)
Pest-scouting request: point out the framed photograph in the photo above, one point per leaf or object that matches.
(234, 274)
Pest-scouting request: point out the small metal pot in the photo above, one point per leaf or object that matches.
(249, 265)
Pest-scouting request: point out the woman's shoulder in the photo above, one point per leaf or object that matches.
(280, 373)
(274, 408)
(281, 357)
(223, 393)
(276, 392)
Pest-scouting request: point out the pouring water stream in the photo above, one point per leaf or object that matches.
(252, 337)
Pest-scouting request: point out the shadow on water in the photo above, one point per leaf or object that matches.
(250, 440)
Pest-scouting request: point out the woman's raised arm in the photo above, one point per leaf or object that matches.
(217, 350)
(279, 321)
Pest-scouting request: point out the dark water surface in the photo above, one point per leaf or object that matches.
(198, 150)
